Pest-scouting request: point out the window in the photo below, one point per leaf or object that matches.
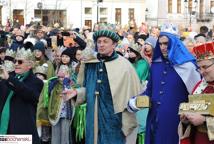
(169, 6)
(103, 20)
(18, 16)
(211, 5)
(103, 11)
(118, 15)
(88, 23)
(49, 17)
(178, 6)
(88, 11)
(131, 14)
(201, 8)
(190, 5)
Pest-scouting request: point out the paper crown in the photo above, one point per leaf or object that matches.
(10, 53)
(89, 52)
(43, 69)
(135, 47)
(64, 68)
(107, 30)
(106, 26)
(170, 28)
(9, 65)
(22, 53)
(204, 51)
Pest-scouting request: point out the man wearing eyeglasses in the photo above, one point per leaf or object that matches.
(18, 104)
(204, 134)
(173, 76)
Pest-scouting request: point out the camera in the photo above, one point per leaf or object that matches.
(65, 33)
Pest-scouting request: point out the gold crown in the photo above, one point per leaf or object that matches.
(22, 53)
(43, 69)
(90, 44)
(64, 68)
(89, 52)
(108, 26)
(10, 53)
(135, 47)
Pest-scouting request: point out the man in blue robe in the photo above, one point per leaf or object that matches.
(173, 76)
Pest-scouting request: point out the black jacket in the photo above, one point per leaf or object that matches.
(23, 104)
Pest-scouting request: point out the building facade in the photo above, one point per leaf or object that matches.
(185, 13)
(72, 13)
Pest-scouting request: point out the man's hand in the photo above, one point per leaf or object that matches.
(73, 35)
(3, 73)
(68, 94)
(183, 119)
(195, 119)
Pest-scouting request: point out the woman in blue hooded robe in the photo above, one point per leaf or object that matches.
(172, 79)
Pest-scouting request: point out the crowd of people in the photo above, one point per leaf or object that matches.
(91, 85)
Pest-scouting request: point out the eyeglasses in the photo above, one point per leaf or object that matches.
(205, 66)
(19, 61)
(163, 43)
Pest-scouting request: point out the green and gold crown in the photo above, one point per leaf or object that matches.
(22, 53)
(64, 68)
(106, 30)
(9, 65)
(89, 52)
(43, 69)
(135, 47)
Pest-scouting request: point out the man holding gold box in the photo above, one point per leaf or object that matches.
(204, 132)
(173, 76)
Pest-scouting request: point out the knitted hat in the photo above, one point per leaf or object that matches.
(31, 40)
(106, 33)
(69, 52)
(44, 42)
(40, 46)
(106, 30)
(151, 41)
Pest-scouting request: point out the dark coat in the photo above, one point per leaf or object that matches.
(15, 45)
(23, 104)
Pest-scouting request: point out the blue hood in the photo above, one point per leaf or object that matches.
(177, 52)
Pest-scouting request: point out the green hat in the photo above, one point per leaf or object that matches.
(106, 33)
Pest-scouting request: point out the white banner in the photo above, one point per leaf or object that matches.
(15, 139)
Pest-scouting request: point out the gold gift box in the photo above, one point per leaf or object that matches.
(198, 103)
(142, 102)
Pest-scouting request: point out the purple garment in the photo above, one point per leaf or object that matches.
(166, 90)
